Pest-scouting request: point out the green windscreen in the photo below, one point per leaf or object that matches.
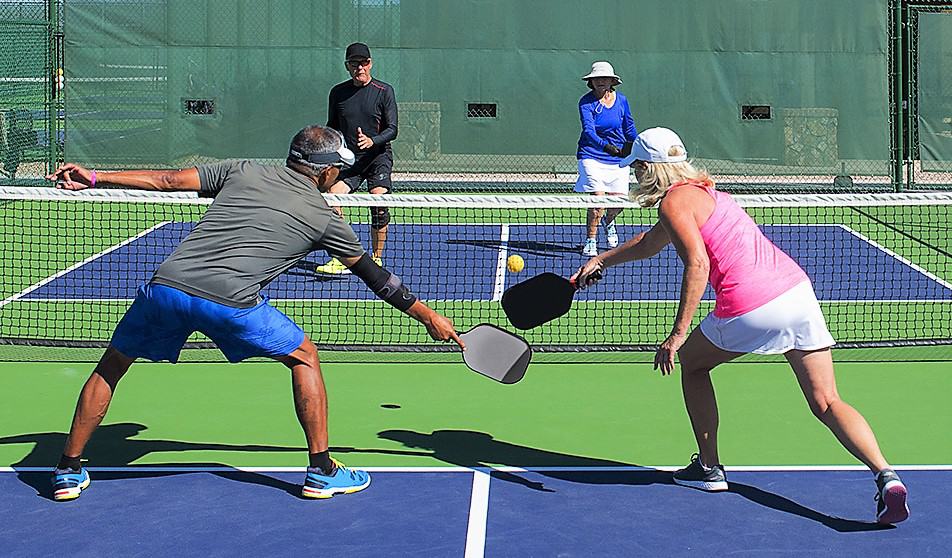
(935, 91)
(775, 87)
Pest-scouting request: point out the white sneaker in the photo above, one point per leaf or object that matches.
(591, 248)
(612, 235)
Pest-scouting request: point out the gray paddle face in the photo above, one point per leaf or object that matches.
(496, 353)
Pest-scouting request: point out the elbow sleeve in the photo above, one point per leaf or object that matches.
(387, 286)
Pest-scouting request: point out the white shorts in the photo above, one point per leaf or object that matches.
(793, 320)
(595, 176)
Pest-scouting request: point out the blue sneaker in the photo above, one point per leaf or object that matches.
(343, 481)
(69, 483)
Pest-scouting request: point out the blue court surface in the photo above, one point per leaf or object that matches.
(467, 262)
(462, 512)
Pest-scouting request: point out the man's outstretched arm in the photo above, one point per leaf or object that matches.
(70, 176)
(391, 289)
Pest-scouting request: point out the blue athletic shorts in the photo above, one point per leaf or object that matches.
(161, 319)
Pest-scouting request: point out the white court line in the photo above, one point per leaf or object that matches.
(478, 513)
(901, 259)
(452, 469)
(500, 273)
(59, 274)
(500, 281)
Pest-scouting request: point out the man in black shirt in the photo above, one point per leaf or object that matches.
(365, 110)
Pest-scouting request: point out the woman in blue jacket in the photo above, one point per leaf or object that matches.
(607, 126)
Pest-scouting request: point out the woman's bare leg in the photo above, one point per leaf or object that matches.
(814, 371)
(698, 357)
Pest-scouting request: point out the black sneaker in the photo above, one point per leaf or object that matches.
(696, 475)
(890, 498)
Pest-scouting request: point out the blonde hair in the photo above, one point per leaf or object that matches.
(659, 177)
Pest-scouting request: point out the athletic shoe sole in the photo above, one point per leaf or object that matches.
(707, 486)
(324, 493)
(894, 500)
(66, 494)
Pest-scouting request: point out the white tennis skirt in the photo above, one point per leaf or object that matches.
(595, 176)
(793, 320)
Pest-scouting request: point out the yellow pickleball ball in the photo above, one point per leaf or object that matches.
(515, 263)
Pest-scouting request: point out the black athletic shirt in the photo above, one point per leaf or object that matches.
(372, 108)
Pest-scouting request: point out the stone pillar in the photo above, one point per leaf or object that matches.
(419, 131)
(809, 138)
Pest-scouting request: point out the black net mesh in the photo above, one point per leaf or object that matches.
(881, 265)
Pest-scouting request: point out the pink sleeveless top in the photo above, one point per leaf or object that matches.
(747, 270)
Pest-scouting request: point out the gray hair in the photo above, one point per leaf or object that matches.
(313, 140)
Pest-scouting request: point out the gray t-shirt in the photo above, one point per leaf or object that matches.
(263, 220)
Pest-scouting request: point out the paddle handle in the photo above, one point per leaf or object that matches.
(597, 275)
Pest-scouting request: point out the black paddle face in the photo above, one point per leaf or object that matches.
(536, 301)
(496, 353)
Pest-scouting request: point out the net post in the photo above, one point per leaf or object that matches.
(898, 95)
(50, 90)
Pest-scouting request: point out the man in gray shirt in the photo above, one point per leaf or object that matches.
(263, 220)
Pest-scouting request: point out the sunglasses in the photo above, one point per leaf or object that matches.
(354, 64)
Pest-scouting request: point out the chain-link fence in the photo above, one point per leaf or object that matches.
(927, 92)
(769, 96)
(27, 106)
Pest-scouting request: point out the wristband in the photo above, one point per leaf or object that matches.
(92, 179)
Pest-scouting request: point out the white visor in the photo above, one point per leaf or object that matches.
(653, 146)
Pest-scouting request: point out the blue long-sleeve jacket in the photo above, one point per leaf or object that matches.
(601, 126)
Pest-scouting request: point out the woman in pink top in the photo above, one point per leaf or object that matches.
(764, 304)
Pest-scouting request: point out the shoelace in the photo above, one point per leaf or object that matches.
(342, 467)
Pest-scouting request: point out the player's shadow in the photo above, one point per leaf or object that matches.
(530, 247)
(466, 448)
(116, 445)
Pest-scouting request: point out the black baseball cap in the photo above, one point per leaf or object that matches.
(357, 51)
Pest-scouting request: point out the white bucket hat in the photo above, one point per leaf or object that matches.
(602, 69)
(653, 145)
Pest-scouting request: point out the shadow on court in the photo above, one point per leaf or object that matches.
(308, 269)
(532, 248)
(116, 445)
(466, 448)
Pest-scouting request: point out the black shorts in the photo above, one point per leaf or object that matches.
(376, 172)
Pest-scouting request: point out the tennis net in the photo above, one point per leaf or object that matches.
(881, 265)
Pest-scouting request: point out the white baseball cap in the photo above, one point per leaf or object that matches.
(653, 145)
(602, 69)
